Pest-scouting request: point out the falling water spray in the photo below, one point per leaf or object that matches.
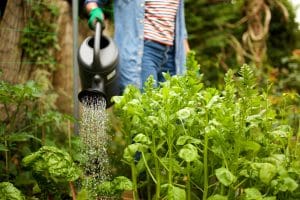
(93, 127)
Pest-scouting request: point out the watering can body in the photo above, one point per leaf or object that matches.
(98, 60)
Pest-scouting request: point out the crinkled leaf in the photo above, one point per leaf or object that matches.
(49, 160)
(105, 188)
(122, 183)
(225, 176)
(9, 191)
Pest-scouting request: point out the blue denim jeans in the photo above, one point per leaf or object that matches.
(157, 58)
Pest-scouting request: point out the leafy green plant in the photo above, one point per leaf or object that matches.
(114, 188)
(39, 39)
(52, 167)
(193, 141)
(24, 128)
(9, 191)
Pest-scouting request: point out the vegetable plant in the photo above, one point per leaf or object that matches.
(188, 141)
(9, 191)
(52, 168)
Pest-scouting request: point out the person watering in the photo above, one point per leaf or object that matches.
(151, 37)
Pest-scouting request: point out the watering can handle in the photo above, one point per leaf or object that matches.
(97, 45)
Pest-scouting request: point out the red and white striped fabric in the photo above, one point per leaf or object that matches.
(160, 20)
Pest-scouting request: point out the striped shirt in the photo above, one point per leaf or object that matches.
(160, 20)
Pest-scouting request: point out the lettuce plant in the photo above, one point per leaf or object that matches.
(9, 191)
(53, 168)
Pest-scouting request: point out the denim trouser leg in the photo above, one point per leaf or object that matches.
(157, 58)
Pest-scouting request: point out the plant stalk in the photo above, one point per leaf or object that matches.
(170, 174)
(205, 170)
(188, 184)
(148, 187)
(134, 181)
(157, 171)
(71, 185)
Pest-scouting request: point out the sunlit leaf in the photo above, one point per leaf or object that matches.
(188, 153)
(252, 194)
(225, 176)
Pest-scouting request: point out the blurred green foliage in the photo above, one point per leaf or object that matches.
(215, 27)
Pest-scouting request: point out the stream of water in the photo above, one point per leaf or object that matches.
(93, 134)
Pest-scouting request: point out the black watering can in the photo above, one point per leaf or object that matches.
(97, 60)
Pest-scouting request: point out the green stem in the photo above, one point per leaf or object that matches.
(157, 170)
(188, 184)
(148, 187)
(6, 158)
(134, 181)
(170, 174)
(205, 170)
(148, 169)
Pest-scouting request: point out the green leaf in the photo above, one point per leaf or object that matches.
(182, 140)
(122, 183)
(130, 151)
(269, 198)
(225, 176)
(217, 197)
(267, 172)
(252, 194)
(52, 163)
(22, 137)
(287, 183)
(141, 138)
(173, 193)
(171, 162)
(82, 195)
(3, 148)
(105, 188)
(250, 146)
(9, 191)
(188, 153)
(184, 113)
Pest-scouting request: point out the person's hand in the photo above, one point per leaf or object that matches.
(96, 14)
